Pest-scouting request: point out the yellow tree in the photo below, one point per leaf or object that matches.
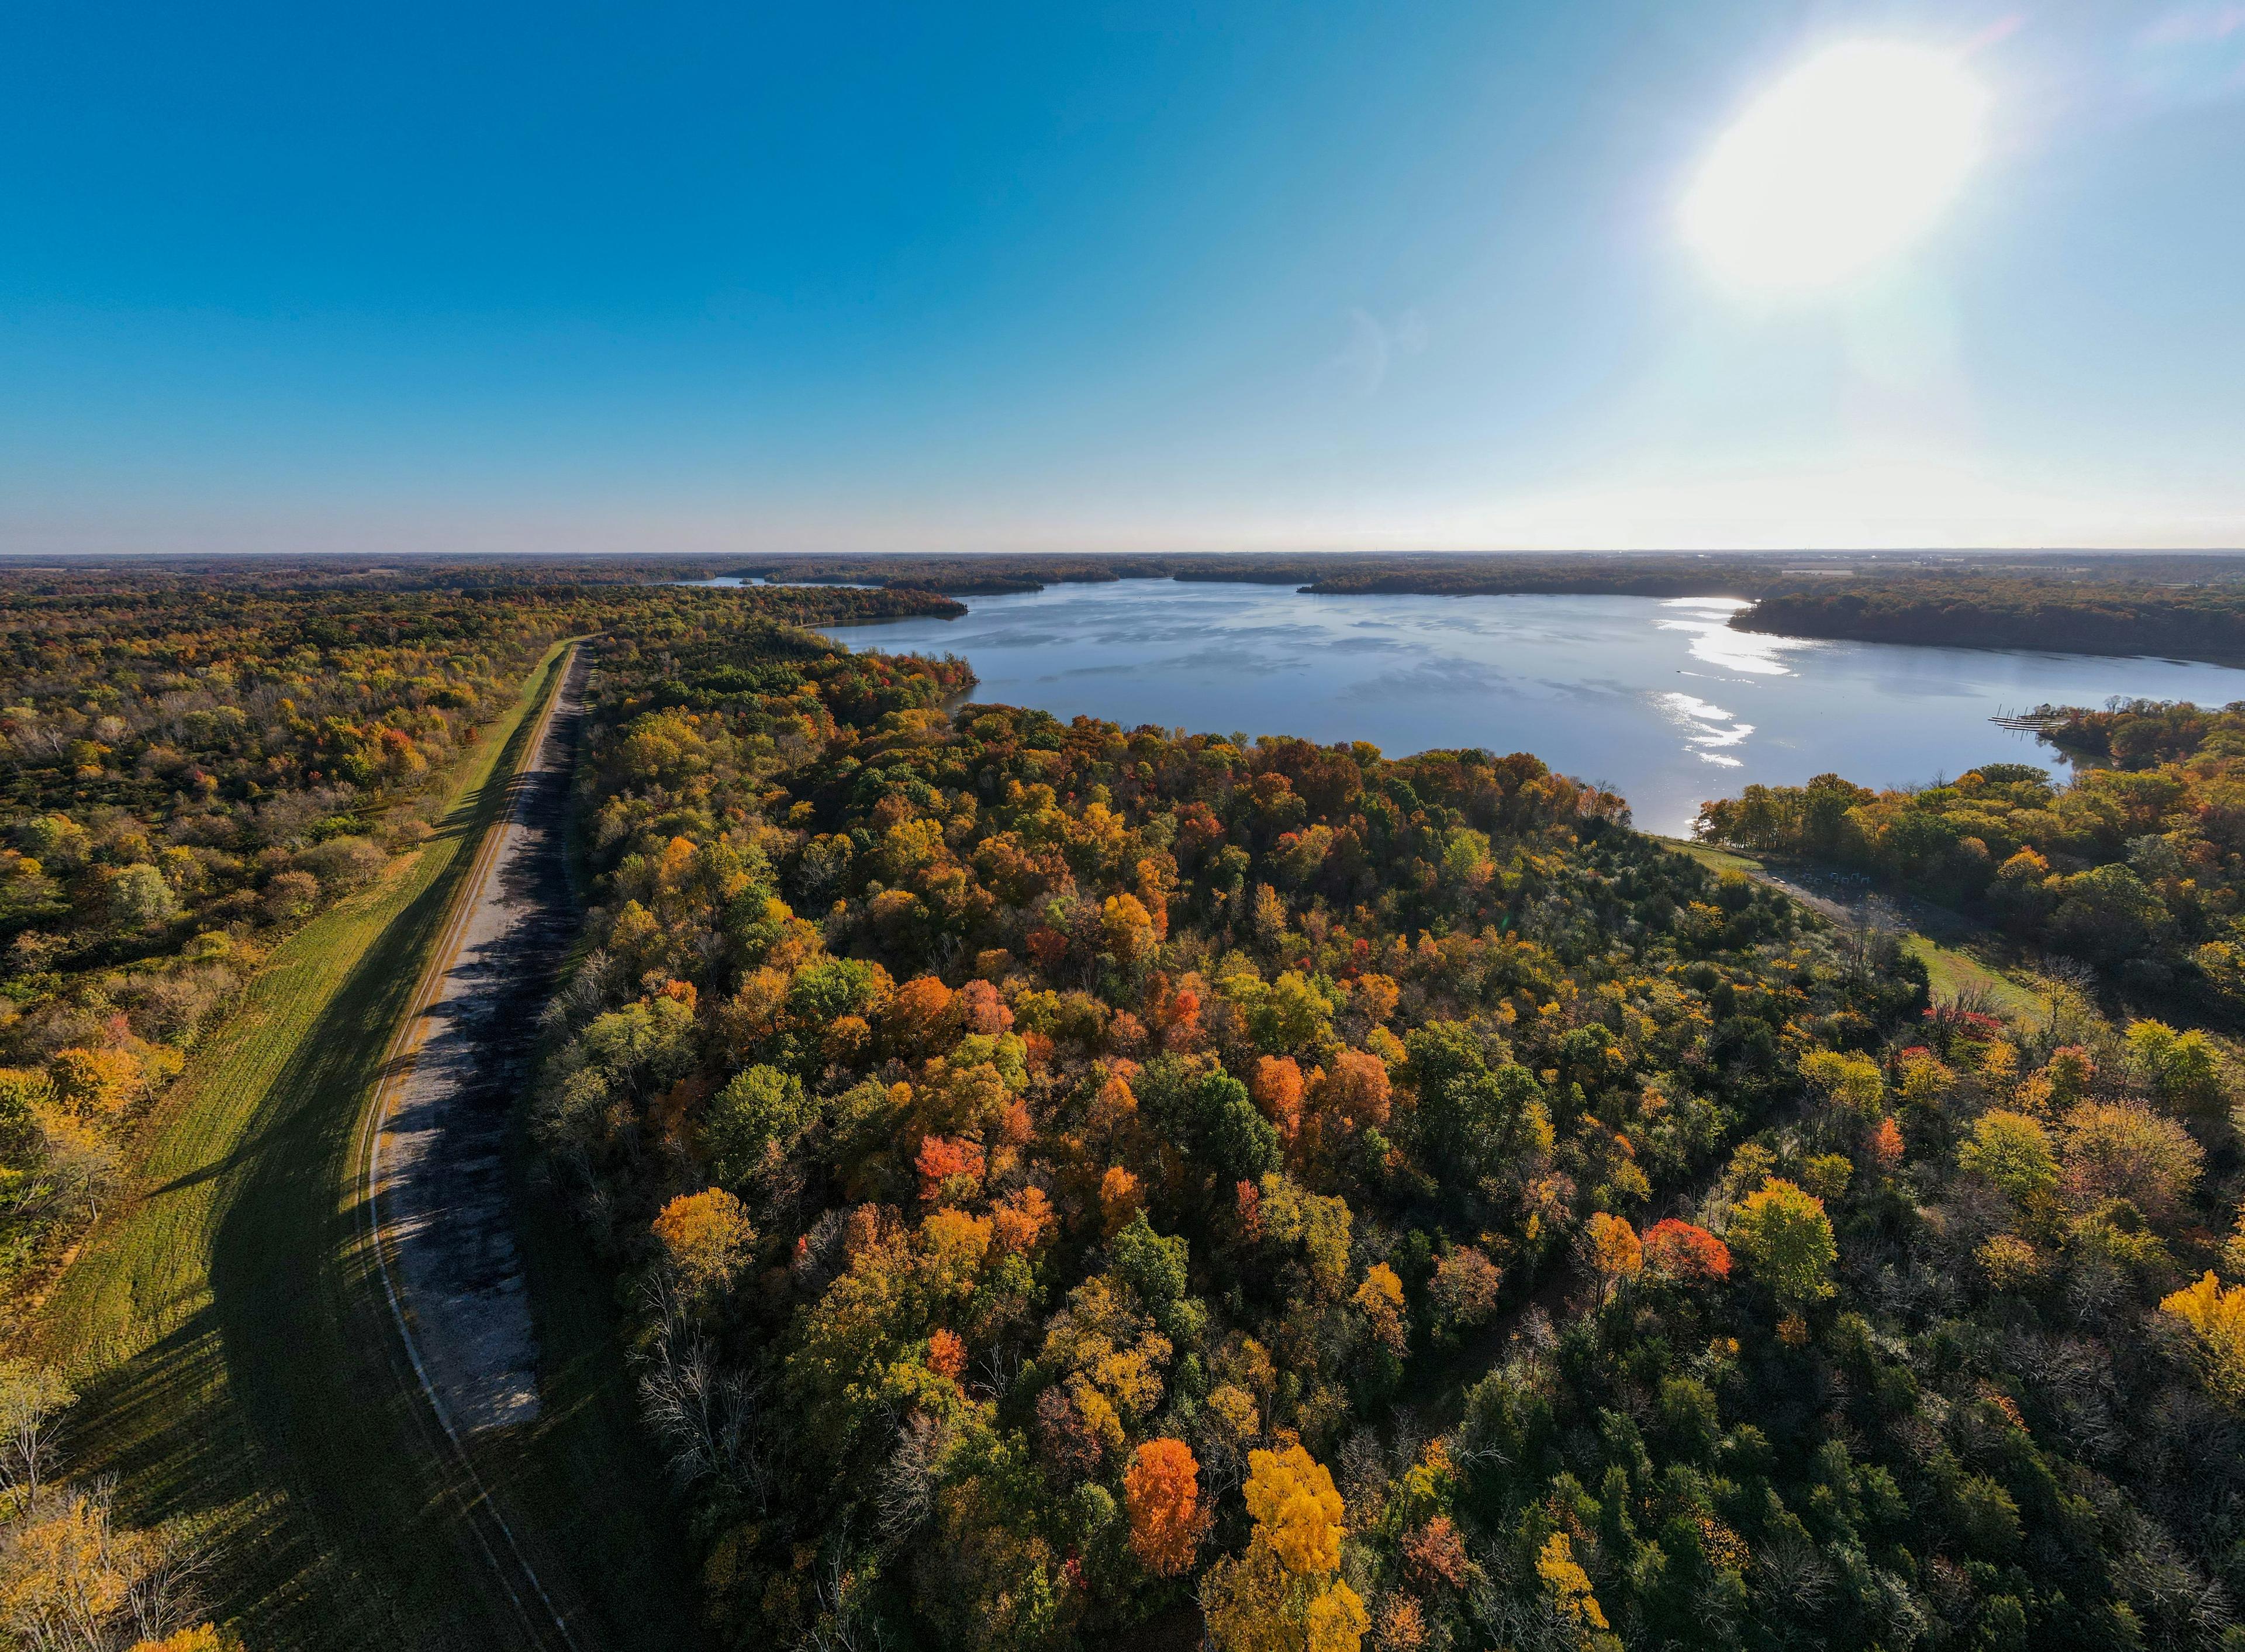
(1854, 1081)
(1569, 1585)
(1615, 1251)
(70, 1576)
(2011, 1153)
(1283, 1594)
(203, 1637)
(1380, 1298)
(2217, 1316)
(95, 1081)
(705, 1236)
(1128, 929)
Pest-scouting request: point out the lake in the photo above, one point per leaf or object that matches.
(1659, 700)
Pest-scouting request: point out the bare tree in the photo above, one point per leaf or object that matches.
(907, 1490)
(33, 1399)
(710, 1418)
(165, 1594)
(843, 1625)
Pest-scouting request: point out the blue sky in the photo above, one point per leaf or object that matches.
(725, 277)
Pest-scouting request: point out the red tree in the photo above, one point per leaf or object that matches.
(1686, 1252)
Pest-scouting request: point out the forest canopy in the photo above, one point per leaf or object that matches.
(191, 767)
(1079, 1186)
(1090, 1185)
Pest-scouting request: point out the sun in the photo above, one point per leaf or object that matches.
(1843, 163)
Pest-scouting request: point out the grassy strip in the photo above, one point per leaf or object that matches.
(222, 1326)
(1951, 973)
(1715, 860)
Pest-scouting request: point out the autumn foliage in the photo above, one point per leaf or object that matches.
(1615, 1250)
(704, 1236)
(1282, 1592)
(1162, 1491)
(1106, 1256)
(2215, 1315)
(1685, 1251)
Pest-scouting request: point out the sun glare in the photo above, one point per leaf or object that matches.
(1840, 165)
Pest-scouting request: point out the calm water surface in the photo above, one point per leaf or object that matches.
(1661, 702)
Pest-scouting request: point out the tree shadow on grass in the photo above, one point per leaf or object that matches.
(280, 1415)
(277, 1416)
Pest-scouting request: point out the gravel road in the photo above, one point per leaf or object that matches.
(440, 1157)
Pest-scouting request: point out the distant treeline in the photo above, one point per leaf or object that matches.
(2190, 607)
(961, 576)
(1664, 574)
(2187, 606)
(2073, 616)
(1598, 574)
(21, 575)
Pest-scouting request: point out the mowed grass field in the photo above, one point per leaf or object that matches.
(238, 1365)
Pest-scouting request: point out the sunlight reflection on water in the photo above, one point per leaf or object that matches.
(1706, 621)
(1707, 733)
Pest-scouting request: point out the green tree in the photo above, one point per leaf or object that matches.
(1469, 1116)
(140, 899)
(1785, 1237)
(760, 1108)
(1151, 1264)
(833, 988)
(1212, 1117)
(647, 1043)
(2011, 1153)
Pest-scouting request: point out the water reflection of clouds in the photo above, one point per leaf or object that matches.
(1231, 659)
(1900, 685)
(1449, 677)
(1461, 676)
(1077, 673)
(1010, 638)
